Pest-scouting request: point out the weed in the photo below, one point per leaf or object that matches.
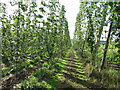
(108, 77)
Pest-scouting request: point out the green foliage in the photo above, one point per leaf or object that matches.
(34, 33)
(89, 27)
(53, 82)
(29, 83)
(27, 34)
(105, 77)
(44, 76)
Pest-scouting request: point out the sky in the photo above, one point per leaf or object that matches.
(72, 8)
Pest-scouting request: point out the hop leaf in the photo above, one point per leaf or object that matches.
(1, 11)
(42, 10)
(15, 20)
(39, 16)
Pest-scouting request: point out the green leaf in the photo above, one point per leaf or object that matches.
(1, 11)
(14, 42)
(13, 32)
(24, 8)
(42, 10)
(39, 16)
(43, 3)
(15, 20)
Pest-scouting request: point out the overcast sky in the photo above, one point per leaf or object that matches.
(72, 8)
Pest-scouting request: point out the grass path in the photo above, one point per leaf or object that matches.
(73, 76)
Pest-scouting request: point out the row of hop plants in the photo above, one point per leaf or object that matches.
(90, 27)
(33, 31)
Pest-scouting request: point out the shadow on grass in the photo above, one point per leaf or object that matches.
(73, 71)
(72, 60)
(83, 82)
(71, 66)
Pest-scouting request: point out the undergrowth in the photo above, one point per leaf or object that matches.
(109, 77)
(46, 77)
